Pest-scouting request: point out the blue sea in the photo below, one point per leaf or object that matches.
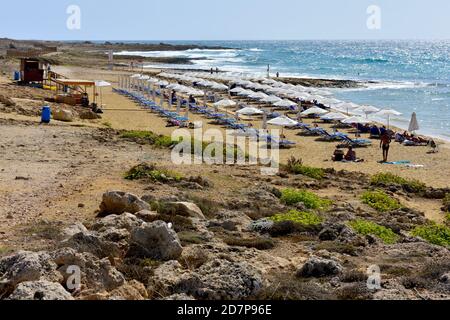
(408, 76)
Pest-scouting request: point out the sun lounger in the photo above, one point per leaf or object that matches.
(338, 136)
(356, 142)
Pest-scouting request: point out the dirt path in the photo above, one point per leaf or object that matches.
(57, 173)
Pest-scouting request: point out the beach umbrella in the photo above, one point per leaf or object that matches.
(367, 110)
(388, 113)
(334, 116)
(249, 111)
(225, 103)
(356, 120)
(237, 90)
(347, 106)
(283, 121)
(271, 99)
(314, 110)
(414, 124)
(101, 84)
(284, 104)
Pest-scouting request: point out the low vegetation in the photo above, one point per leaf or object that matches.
(339, 247)
(386, 179)
(259, 243)
(305, 219)
(149, 171)
(366, 228)
(309, 199)
(149, 137)
(44, 230)
(380, 201)
(295, 166)
(434, 233)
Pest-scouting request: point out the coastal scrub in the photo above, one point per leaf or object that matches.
(380, 201)
(305, 219)
(309, 199)
(434, 233)
(386, 179)
(146, 171)
(295, 166)
(365, 228)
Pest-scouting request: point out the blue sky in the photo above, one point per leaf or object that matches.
(225, 20)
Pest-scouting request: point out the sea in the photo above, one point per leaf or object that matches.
(408, 76)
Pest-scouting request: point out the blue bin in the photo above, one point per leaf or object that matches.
(46, 114)
(16, 75)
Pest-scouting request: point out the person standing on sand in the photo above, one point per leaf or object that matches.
(385, 145)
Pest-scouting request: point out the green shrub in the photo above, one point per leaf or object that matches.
(446, 201)
(384, 179)
(365, 228)
(380, 201)
(146, 171)
(305, 219)
(295, 166)
(149, 137)
(190, 237)
(434, 233)
(309, 199)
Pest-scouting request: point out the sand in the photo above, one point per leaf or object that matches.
(121, 113)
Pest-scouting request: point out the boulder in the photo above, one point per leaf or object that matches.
(26, 266)
(98, 245)
(96, 275)
(40, 290)
(126, 221)
(89, 115)
(156, 240)
(187, 209)
(445, 278)
(317, 267)
(72, 230)
(221, 280)
(131, 291)
(63, 115)
(117, 202)
(147, 216)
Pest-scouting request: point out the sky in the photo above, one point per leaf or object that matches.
(225, 20)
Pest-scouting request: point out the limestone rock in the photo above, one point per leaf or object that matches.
(157, 241)
(117, 202)
(63, 115)
(186, 209)
(317, 267)
(126, 221)
(40, 290)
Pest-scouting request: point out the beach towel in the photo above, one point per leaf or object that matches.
(402, 162)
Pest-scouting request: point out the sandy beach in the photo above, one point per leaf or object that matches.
(56, 181)
(314, 153)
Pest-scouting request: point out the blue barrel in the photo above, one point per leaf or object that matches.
(16, 75)
(46, 114)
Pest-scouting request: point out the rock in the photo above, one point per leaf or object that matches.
(40, 290)
(262, 225)
(221, 280)
(204, 182)
(26, 266)
(147, 216)
(179, 297)
(226, 225)
(63, 115)
(89, 115)
(445, 278)
(157, 241)
(96, 275)
(317, 267)
(186, 209)
(117, 202)
(94, 243)
(126, 221)
(131, 291)
(7, 101)
(73, 229)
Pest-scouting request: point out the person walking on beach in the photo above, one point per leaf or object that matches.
(385, 145)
